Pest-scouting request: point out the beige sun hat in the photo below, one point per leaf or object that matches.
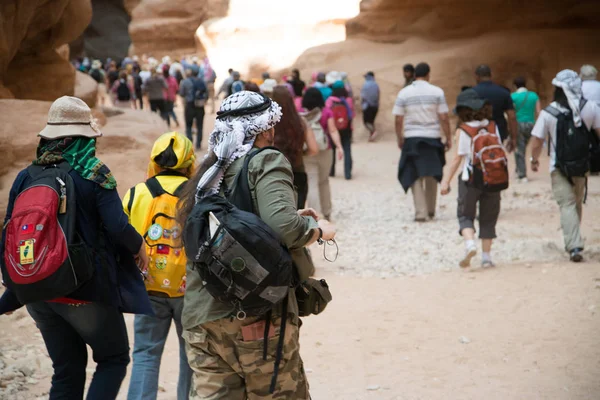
(69, 116)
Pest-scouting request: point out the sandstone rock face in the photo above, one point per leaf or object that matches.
(397, 20)
(107, 35)
(268, 35)
(160, 27)
(30, 33)
(86, 88)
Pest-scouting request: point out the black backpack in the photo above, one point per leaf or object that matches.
(44, 256)
(123, 93)
(245, 263)
(200, 93)
(97, 75)
(573, 144)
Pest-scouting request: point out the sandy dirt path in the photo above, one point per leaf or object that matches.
(405, 322)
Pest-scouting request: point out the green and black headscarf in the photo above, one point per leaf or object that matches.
(80, 153)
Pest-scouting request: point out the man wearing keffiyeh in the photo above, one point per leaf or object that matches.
(225, 353)
(569, 191)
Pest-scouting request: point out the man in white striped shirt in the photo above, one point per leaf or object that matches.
(421, 114)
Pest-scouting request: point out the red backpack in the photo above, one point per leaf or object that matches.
(44, 256)
(341, 114)
(489, 161)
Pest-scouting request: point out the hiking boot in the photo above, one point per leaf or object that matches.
(431, 215)
(576, 256)
(523, 180)
(469, 254)
(420, 219)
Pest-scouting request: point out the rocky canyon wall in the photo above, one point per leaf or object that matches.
(160, 27)
(31, 31)
(398, 20)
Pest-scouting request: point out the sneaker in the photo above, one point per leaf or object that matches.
(431, 215)
(420, 219)
(487, 264)
(576, 255)
(523, 180)
(469, 254)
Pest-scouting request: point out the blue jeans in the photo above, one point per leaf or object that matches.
(66, 330)
(149, 342)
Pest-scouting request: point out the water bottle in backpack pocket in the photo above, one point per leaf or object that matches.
(44, 256)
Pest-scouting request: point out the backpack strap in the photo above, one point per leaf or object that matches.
(469, 130)
(179, 190)
(154, 187)
(555, 112)
(241, 196)
(131, 196)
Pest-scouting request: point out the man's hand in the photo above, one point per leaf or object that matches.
(328, 229)
(445, 188)
(510, 145)
(340, 153)
(401, 142)
(448, 144)
(309, 212)
(141, 259)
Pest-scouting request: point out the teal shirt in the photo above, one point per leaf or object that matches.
(525, 102)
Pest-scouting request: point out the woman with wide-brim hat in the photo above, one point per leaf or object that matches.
(93, 313)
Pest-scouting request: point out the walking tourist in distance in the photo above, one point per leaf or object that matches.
(369, 99)
(154, 88)
(421, 115)
(342, 107)
(590, 86)
(476, 133)
(409, 74)
(527, 108)
(501, 101)
(320, 119)
(170, 95)
(295, 139)
(568, 124)
(194, 94)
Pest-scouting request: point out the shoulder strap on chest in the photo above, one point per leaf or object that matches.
(241, 196)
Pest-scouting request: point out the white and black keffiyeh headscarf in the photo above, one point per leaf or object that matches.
(242, 117)
(570, 83)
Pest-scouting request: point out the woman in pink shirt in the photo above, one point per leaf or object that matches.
(170, 96)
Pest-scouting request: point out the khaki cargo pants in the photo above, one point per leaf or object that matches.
(228, 368)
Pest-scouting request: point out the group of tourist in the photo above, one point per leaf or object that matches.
(78, 257)
(570, 126)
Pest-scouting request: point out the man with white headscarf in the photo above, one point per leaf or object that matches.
(225, 353)
(590, 85)
(567, 116)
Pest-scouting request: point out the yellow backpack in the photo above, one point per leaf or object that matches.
(166, 269)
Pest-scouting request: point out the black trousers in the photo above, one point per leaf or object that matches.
(193, 113)
(369, 115)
